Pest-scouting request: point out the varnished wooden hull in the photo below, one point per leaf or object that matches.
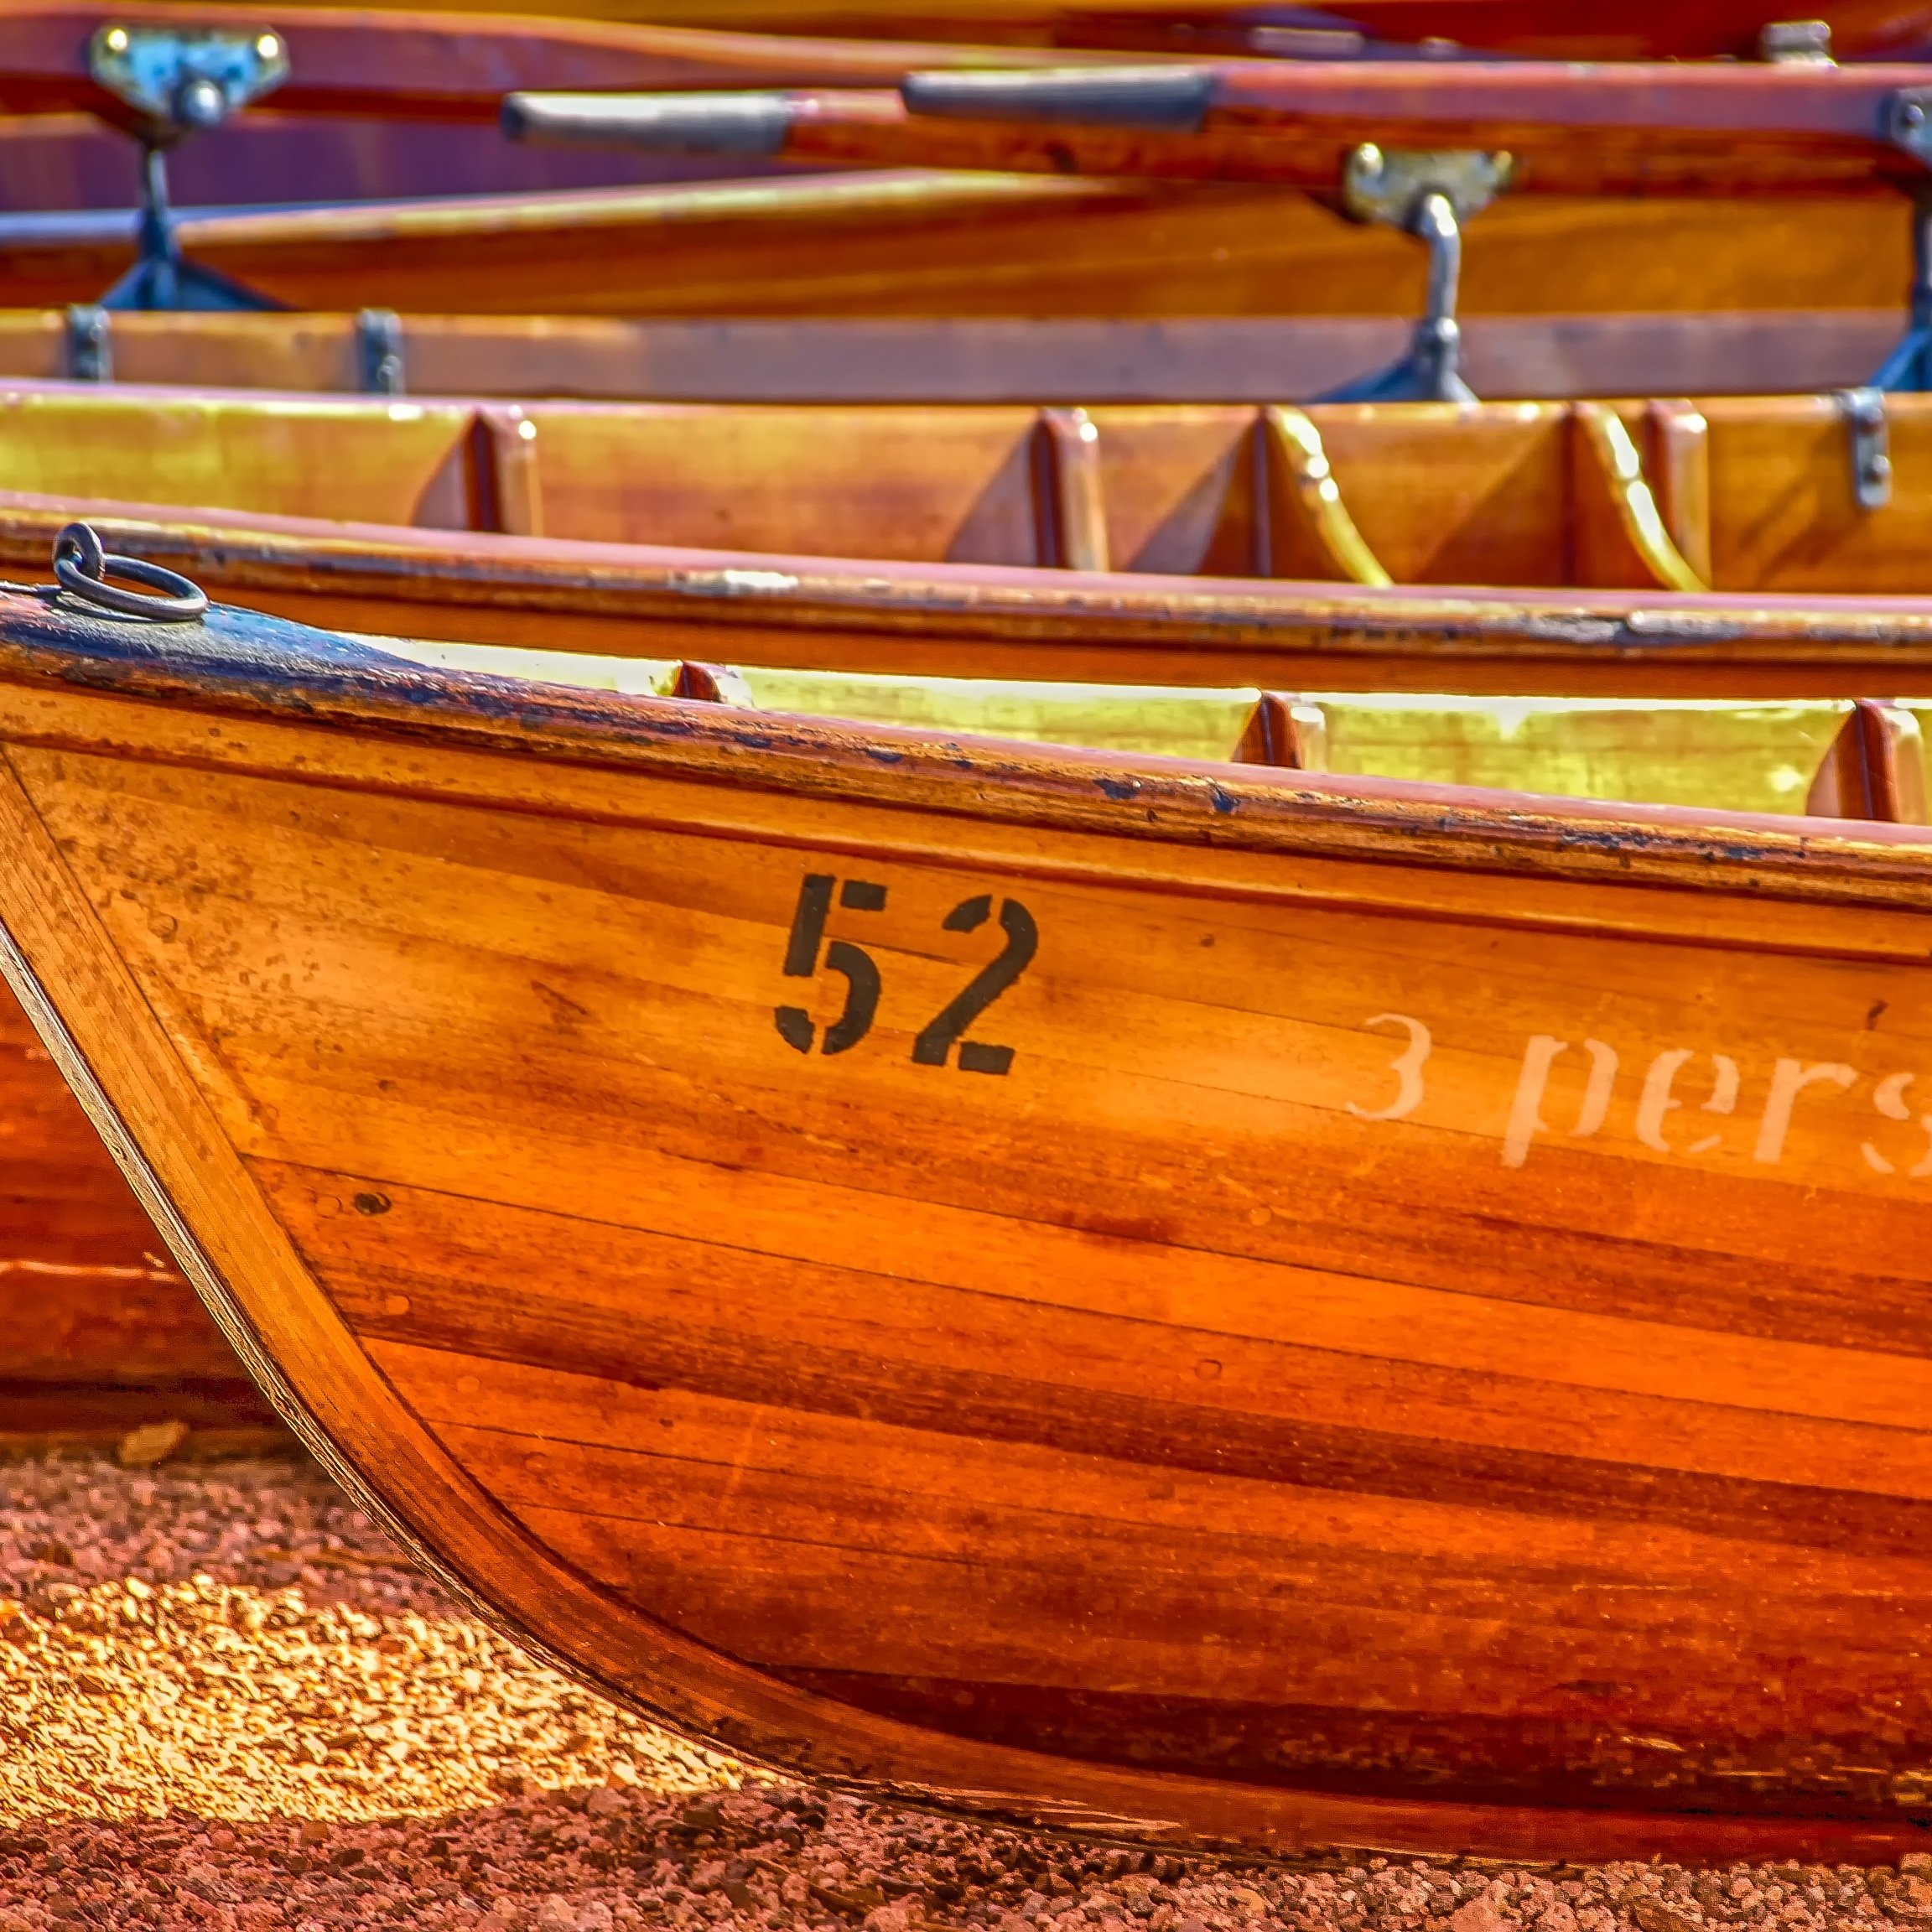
(1392, 1322)
(913, 244)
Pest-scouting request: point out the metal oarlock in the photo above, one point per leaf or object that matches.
(175, 82)
(1431, 194)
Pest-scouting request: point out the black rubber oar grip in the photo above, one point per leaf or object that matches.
(658, 123)
(1172, 100)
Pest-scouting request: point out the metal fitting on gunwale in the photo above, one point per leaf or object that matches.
(81, 566)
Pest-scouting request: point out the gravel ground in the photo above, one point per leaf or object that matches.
(226, 1701)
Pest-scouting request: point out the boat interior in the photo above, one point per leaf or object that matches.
(1811, 494)
(1826, 758)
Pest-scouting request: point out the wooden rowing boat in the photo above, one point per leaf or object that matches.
(1561, 548)
(1756, 495)
(855, 1241)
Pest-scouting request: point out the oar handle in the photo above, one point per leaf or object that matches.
(658, 123)
(1171, 100)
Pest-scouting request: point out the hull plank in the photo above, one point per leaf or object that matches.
(918, 243)
(1395, 1321)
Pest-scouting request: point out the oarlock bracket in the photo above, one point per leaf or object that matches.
(1431, 194)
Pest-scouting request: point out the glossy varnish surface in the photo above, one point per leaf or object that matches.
(1390, 1317)
(910, 242)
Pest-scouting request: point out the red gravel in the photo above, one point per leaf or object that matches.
(225, 1702)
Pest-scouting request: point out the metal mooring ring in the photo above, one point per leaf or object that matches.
(81, 566)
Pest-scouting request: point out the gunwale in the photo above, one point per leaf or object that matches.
(349, 684)
(626, 601)
(81, 995)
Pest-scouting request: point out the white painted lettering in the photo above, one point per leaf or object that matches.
(1657, 1099)
(1597, 1095)
(1888, 1097)
(1407, 1067)
(1526, 1120)
(1788, 1079)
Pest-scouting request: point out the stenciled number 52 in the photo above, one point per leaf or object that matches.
(934, 1047)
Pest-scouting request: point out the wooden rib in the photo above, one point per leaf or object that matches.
(1610, 472)
(1310, 532)
(1070, 506)
(506, 485)
(1289, 732)
(1875, 768)
(1681, 464)
(712, 684)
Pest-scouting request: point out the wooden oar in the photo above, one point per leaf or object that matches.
(1601, 130)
